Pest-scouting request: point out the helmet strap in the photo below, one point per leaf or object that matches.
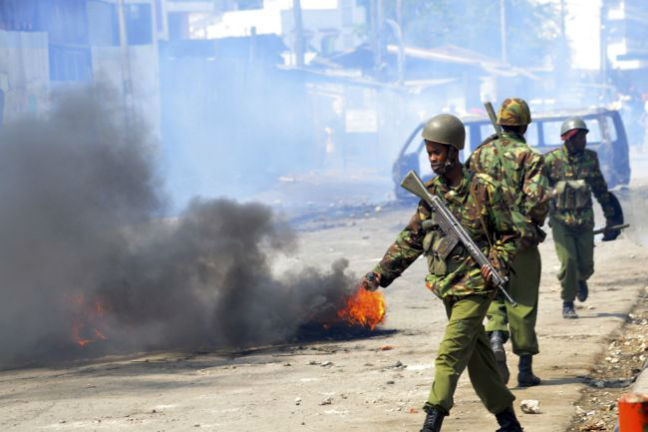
(452, 158)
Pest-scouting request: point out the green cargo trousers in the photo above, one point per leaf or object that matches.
(575, 250)
(524, 287)
(464, 345)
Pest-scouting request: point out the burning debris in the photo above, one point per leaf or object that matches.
(86, 319)
(365, 309)
(86, 261)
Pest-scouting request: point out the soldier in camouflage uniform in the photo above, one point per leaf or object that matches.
(520, 171)
(454, 276)
(574, 174)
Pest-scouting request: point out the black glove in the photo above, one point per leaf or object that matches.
(612, 234)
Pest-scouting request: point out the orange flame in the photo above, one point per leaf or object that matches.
(365, 308)
(86, 316)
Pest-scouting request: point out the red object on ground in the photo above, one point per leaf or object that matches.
(633, 413)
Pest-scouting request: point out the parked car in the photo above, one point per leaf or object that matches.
(606, 136)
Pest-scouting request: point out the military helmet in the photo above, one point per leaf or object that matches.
(573, 123)
(514, 112)
(445, 129)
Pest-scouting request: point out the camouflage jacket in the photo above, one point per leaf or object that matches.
(520, 169)
(477, 204)
(585, 166)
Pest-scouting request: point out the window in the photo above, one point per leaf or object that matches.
(139, 24)
(608, 129)
(70, 64)
(551, 132)
(532, 135)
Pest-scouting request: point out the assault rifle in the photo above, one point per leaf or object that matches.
(493, 118)
(610, 228)
(453, 230)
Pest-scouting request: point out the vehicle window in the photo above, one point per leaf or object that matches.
(485, 130)
(551, 131)
(594, 126)
(532, 135)
(608, 128)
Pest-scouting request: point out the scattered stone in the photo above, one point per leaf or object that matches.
(298, 401)
(386, 348)
(327, 401)
(391, 382)
(287, 364)
(326, 364)
(313, 363)
(579, 410)
(530, 406)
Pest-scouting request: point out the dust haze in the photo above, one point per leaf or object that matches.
(86, 250)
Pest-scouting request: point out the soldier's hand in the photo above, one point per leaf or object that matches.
(611, 234)
(487, 274)
(370, 281)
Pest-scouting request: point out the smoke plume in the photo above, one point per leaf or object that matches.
(85, 253)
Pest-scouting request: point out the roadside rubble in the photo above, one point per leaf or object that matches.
(625, 357)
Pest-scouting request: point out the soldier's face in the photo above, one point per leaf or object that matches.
(438, 156)
(577, 143)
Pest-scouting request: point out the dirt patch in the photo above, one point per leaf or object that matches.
(614, 373)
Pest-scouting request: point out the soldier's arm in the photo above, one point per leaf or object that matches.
(405, 250)
(599, 188)
(536, 189)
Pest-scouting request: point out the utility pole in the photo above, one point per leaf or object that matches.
(376, 16)
(379, 22)
(299, 34)
(563, 62)
(603, 53)
(502, 11)
(396, 29)
(127, 83)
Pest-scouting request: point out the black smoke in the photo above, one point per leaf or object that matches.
(81, 224)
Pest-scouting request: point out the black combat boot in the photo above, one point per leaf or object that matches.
(508, 422)
(583, 292)
(568, 310)
(433, 419)
(497, 340)
(526, 378)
